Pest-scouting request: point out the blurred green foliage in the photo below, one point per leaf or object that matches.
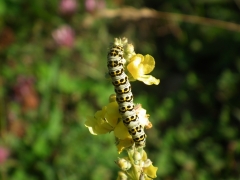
(48, 86)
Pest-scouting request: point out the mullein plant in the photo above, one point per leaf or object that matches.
(136, 165)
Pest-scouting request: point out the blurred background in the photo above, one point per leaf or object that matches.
(52, 76)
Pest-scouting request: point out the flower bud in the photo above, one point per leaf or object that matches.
(137, 157)
(112, 98)
(130, 49)
(68, 6)
(123, 164)
(147, 163)
(64, 36)
(122, 176)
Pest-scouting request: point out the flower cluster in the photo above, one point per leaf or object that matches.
(108, 119)
(94, 5)
(64, 36)
(136, 165)
(68, 6)
(4, 154)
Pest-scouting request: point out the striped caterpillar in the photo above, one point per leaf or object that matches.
(124, 95)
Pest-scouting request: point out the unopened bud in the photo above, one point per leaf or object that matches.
(123, 164)
(137, 157)
(147, 163)
(122, 176)
(112, 98)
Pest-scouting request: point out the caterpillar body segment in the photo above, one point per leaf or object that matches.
(123, 89)
(124, 95)
(127, 97)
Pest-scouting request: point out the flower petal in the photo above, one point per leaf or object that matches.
(90, 122)
(149, 80)
(121, 131)
(92, 131)
(105, 120)
(135, 67)
(139, 66)
(102, 129)
(151, 171)
(97, 126)
(148, 63)
(124, 143)
(112, 115)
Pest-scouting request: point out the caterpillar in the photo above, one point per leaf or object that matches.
(124, 96)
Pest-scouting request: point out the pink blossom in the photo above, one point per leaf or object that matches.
(64, 36)
(4, 153)
(94, 5)
(68, 6)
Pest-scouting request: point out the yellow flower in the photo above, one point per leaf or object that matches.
(124, 139)
(139, 66)
(121, 131)
(149, 169)
(105, 120)
(108, 119)
(124, 143)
